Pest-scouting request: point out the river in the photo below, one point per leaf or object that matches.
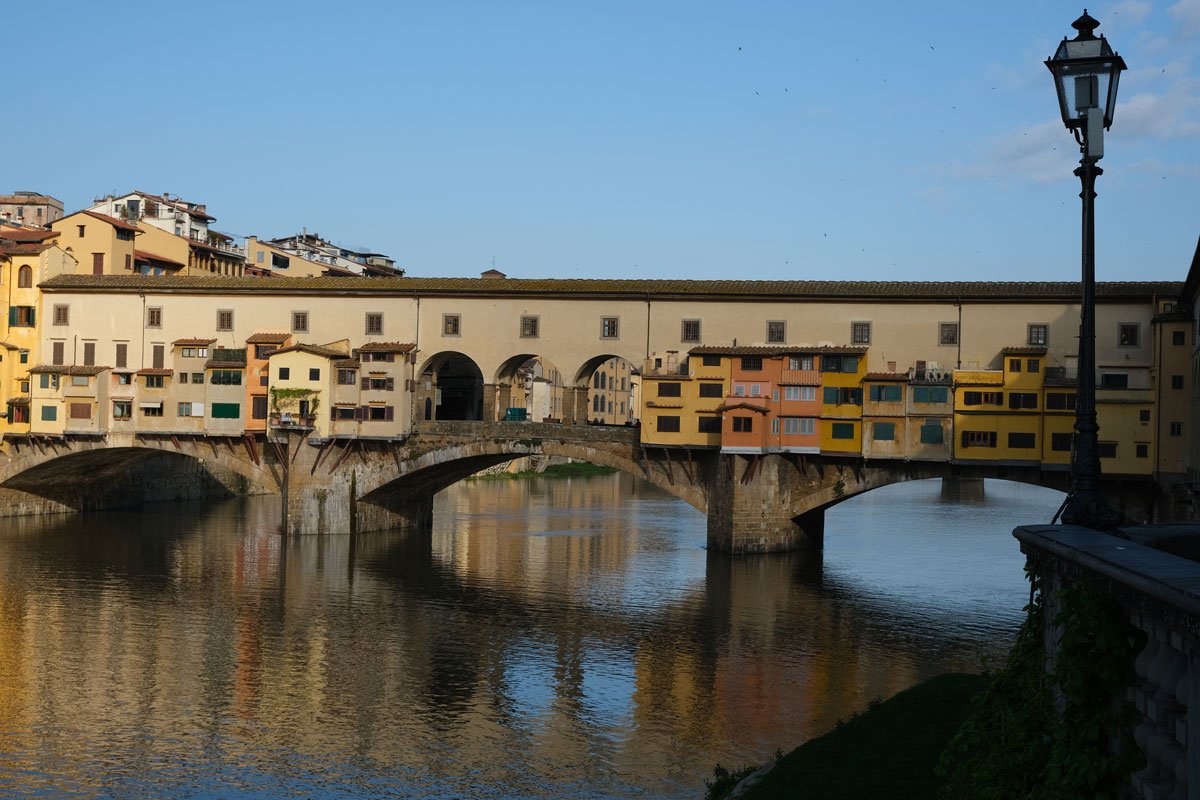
(553, 638)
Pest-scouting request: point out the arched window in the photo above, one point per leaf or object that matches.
(25, 277)
(603, 380)
(596, 381)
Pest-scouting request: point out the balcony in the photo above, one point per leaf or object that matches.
(800, 377)
(229, 355)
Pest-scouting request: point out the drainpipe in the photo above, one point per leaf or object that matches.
(142, 354)
(412, 370)
(958, 357)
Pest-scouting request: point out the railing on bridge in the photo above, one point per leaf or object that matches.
(526, 431)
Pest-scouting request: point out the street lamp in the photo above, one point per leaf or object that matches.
(1086, 72)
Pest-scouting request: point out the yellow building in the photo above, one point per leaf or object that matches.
(266, 259)
(102, 245)
(681, 401)
(997, 413)
(885, 423)
(842, 372)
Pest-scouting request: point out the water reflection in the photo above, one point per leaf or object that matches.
(553, 638)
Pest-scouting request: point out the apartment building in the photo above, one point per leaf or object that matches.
(29, 208)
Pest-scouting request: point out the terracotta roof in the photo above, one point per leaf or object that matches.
(65, 370)
(24, 248)
(116, 223)
(9, 345)
(747, 405)
(950, 291)
(347, 363)
(142, 255)
(18, 401)
(887, 376)
(386, 347)
(167, 372)
(193, 342)
(213, 363)
(1024, 351)
(26, 234)
(314, 349)
(268, 338)
(774, 350)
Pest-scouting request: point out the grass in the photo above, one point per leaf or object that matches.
(888, 752)
(573, 469)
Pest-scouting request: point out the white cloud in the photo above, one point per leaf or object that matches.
(1131, 11)
(1042, 153)
(1157, 167)
(1174, 114)
(1186, 14)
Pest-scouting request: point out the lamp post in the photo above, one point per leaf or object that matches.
(1086, 72)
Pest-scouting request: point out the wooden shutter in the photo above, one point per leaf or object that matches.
(360, 413)
(122, 355)
(158, 356)
(97, 263)
(389, 411)
(964, 438)
(391, 384)
(366, 383)
(89, 354)
(58, 353)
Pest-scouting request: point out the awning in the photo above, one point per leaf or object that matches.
(150, 405)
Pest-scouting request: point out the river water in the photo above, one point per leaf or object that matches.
(554, 638)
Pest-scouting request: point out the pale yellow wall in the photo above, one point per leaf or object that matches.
(1121, 423)
(297, 267)
(98, 237)
(168, 245)
(298, 363)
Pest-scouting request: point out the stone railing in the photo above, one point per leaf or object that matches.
(1160, 592)
(527, 431)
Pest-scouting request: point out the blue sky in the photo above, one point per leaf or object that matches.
(753, 140)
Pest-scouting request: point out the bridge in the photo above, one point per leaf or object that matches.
(757, 503)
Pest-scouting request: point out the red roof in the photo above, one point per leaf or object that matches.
(156, 372)
(142, 255)
(26, 234)
(23, 248)
(193, 342)
(268, 338)
(116, 223)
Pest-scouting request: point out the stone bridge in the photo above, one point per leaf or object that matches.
(753, 503)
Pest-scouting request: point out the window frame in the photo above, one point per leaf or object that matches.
(945, 328)
(373, 323)
(685, 336)
(530, 326)
(776, 331)
(1037, 341)
(61, 315)
(610, 327)
(449, 321)
(300, 316)
(860, 332)
(1124, 328)
(224, 319)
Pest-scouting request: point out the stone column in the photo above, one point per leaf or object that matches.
(504, 397)
(575, 405)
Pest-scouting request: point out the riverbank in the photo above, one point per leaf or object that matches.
(889, 750)
(572, 469)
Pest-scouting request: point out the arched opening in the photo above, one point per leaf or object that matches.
(450, 388)
(25, 277)
(532, 388)
(612, 385)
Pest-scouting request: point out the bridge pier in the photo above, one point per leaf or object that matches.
(748, 508)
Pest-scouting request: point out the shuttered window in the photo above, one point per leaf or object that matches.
(89, 354)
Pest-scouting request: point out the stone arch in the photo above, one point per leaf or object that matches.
(533, 382)
(610, 384)
(453, 384)
(89, 474)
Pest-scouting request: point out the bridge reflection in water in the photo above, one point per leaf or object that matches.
(552, 638)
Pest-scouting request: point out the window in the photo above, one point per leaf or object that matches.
(800, 362)
(799, 426)
(379, 413)
(1127, 334)
(711, 389)
(743, 424)
(1142, 450)
(57, 349)
(1014, 365)
(860, 333)
(343, 412)
(1107, 449)
(669, 389)
(374, 323)
(689, 330)
(1144, 415)
(451, 325)
(195, 352)
(1019, 400)
(299, 322)
(80, 380)
(947, 333)
(775, 426)
(154, 381)
(838, 395)
(1060, 401)
(930, 394)
(81, 229)
(1114, 380)
(226, 377)
(49, 413)
(791, 393)
(314, 374)
(23, 357)
(886, 393)
(839, 364)
(529, 327)
(79, 411)
(1177, 429)
(197, 377)
(122, 355)
(1177, 338)
(48, 381)
(708, 424)
(884, 431)
(932, 433)
(755, 390)
(983, 398)
(752, 363)
(183, 377)
(347, 377)
(379, 384)
(1176, 381)
(279, 261)
(152, 410)
(62, 315)
(154, 317)
(21, 316)
(842, 430)
(159, 355)
(1060, 442)
(226, 410)
(25, 277)
(225, 319)
(979, 438)
(776, 332)
(1038, 334)
(1033, 365)
(122, 409)
(285, 373)
(190, 410)
(668, 424)
(1022, 441)
(124, 379)
(710, 361)
(609, 327)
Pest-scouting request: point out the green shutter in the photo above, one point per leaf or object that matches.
(226, 410)
(885, 431)
(12, 316)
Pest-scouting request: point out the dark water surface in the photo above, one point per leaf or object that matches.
(556, 638)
